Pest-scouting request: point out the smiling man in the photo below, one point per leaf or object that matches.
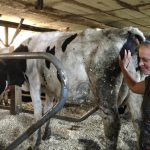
(142, 87)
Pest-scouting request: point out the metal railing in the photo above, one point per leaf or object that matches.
(63, 93)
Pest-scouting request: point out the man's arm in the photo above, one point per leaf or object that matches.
(136, 87)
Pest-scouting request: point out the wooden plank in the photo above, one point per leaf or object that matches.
(6, 36)
(25, 27)
(39, 4)
(15, 100)
(12, 101)
(17, 31)
(18, 98)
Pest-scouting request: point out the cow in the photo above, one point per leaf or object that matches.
(4, 95)
(90, 58)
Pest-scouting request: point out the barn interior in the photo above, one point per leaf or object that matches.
(20, 19)
(66, 15)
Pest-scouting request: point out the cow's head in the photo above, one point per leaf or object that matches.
(3, 77)
(132, 44)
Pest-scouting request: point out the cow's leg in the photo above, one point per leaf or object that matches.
(47, 106)
(35, 91)
(111, 123)
(134, 104)
(37, 113)
(108, 89)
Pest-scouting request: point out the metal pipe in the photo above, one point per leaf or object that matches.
(69, 119)
(63, 94)
(73, 119)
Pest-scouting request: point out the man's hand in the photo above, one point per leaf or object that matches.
(123, 63)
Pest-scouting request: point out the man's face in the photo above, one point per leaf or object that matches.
(144, 54)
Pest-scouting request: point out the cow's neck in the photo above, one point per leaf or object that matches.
(15, 72)
(15, 79)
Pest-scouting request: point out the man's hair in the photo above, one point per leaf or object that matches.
(146, 43)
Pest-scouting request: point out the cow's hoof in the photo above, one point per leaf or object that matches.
(35, 148)
(47, 135)
(89, 144)
(30, 148)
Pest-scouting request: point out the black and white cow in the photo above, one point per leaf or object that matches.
(90, 58)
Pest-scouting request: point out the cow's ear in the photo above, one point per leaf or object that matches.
(131, 44)
(139, 38)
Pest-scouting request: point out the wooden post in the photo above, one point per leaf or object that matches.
(18, 98)
(15, 100)
(6, 36)
(39, 4)
(17, 31)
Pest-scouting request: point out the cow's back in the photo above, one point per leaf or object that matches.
(90, 59)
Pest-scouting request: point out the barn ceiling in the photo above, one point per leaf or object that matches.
(77, 14)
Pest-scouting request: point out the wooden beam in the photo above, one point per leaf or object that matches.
(6, 36)
(2, 41)
(25, 27)
(13, 107)
(16, 100)
(17, 31)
